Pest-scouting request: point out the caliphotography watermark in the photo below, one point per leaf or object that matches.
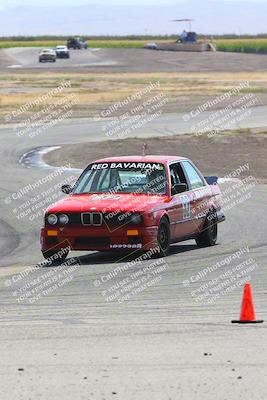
(133, 112)
(29, 202)
(45, 111)
(128, 280)
(239, 188)
(220, 279)
(35, 282)
(235, 188)
(227, 117)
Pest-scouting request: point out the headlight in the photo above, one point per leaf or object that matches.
(63, 219)
(136, 219)
(52, 219)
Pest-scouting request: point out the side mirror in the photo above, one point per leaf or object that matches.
(211, 180)
(66, 189)
(179, 188)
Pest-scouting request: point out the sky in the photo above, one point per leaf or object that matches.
(128, 17)
(15, 3)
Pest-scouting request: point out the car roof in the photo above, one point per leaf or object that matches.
(148, 158)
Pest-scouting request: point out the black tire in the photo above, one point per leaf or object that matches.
(51, 254)
(208, 235)
(163, 237)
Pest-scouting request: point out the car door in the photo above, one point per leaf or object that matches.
(198, 194)
(179, 211)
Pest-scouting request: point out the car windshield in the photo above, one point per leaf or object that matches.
(123, 177)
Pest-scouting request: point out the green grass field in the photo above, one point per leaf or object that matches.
(230, 45)
(112, 43)
(32, 43)
(242, 45)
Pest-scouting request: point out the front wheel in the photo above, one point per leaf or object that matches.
(163, 237)
(208, 235)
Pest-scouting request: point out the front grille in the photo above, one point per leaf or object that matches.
(84, 241)
(86, 219)
(96, 219)
(93, 218)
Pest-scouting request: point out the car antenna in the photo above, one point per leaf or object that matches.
(144, 148)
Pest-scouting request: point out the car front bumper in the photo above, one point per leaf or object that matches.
(62, 55)
(99, 238)
(47, 58)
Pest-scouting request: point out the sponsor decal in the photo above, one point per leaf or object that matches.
(186, 206)
(127, 165)
(126, 246)
(105, 197)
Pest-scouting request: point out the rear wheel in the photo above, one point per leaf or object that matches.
(163, 237)
(208, 235)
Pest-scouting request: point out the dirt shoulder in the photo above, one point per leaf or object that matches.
(219, 155)
(94, 92)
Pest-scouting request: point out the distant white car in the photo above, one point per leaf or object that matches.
(151, 46)
(62, 52)
(47, 55)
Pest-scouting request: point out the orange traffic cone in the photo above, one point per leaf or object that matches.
(247, 315)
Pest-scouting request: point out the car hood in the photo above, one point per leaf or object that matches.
(109, 203)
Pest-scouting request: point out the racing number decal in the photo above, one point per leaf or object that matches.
(186, 206)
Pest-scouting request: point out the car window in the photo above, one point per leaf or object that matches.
(177, 175)
(128, 177)
(174, 177)
(195, 179)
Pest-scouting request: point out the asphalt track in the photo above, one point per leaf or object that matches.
(133, 60)
(161, 343)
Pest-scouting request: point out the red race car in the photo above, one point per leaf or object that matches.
(134, 203)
